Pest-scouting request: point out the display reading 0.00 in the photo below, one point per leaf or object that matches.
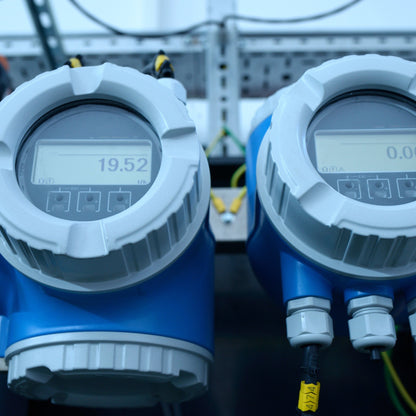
(92, 162)
(365, 151)
(401, 152)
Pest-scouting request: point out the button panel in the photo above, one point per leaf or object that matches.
(387, 188)
(89, 203)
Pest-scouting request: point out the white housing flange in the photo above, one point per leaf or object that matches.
(341, 234)
(77, 368)
(120, 250)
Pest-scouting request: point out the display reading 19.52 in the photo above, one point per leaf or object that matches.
(120, 164)
(92, 162)
(365, 151)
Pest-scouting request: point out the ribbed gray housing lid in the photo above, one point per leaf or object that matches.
(123, 249)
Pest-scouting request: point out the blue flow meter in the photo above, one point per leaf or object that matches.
(107, 258)
(331, 175)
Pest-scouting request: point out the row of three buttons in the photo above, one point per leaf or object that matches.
(377, 188)
(88, 201)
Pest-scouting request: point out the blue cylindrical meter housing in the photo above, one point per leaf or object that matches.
(331, 176)
(107, 256)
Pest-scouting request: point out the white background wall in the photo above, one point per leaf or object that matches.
(380, 15)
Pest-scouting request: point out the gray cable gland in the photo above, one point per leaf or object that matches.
(308, 322)
(371, 325)
(411, 308)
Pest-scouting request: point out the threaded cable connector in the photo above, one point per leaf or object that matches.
(308, 322)
(411, 308)
(372, 326)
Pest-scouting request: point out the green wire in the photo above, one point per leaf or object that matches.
(224, 132)
(392, 393)
(237, 142)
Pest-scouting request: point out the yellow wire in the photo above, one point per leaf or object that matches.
(399, 385)
(237, 175)
(216, 200)
(243, 192)
(218, 203)
(214, 142)
(237, 201)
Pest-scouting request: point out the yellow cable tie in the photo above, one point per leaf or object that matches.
(309, 397)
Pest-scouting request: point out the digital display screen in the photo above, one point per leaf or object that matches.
(353, 151)
(92, 162)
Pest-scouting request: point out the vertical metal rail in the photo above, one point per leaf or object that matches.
(223, 77)
(44, 22)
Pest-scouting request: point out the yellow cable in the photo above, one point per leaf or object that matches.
(216, 140)
(237, 175)
(238, 200)
(218, 203)
(399, 385)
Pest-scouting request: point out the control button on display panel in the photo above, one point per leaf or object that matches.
(406, 187)
(58, 201)
(118, 201)
(350, 188)
(88, 201)
(379, 188)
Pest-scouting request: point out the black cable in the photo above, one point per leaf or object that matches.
(220, 23)
(375, 354)
(149, 35)
(292, 19)
(310, 386)
(160, 67)
(310, 365)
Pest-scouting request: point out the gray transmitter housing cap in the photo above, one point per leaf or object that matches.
(119, 250)
(341, 234)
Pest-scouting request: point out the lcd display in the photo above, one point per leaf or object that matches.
(92, 162)
(354, 151)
